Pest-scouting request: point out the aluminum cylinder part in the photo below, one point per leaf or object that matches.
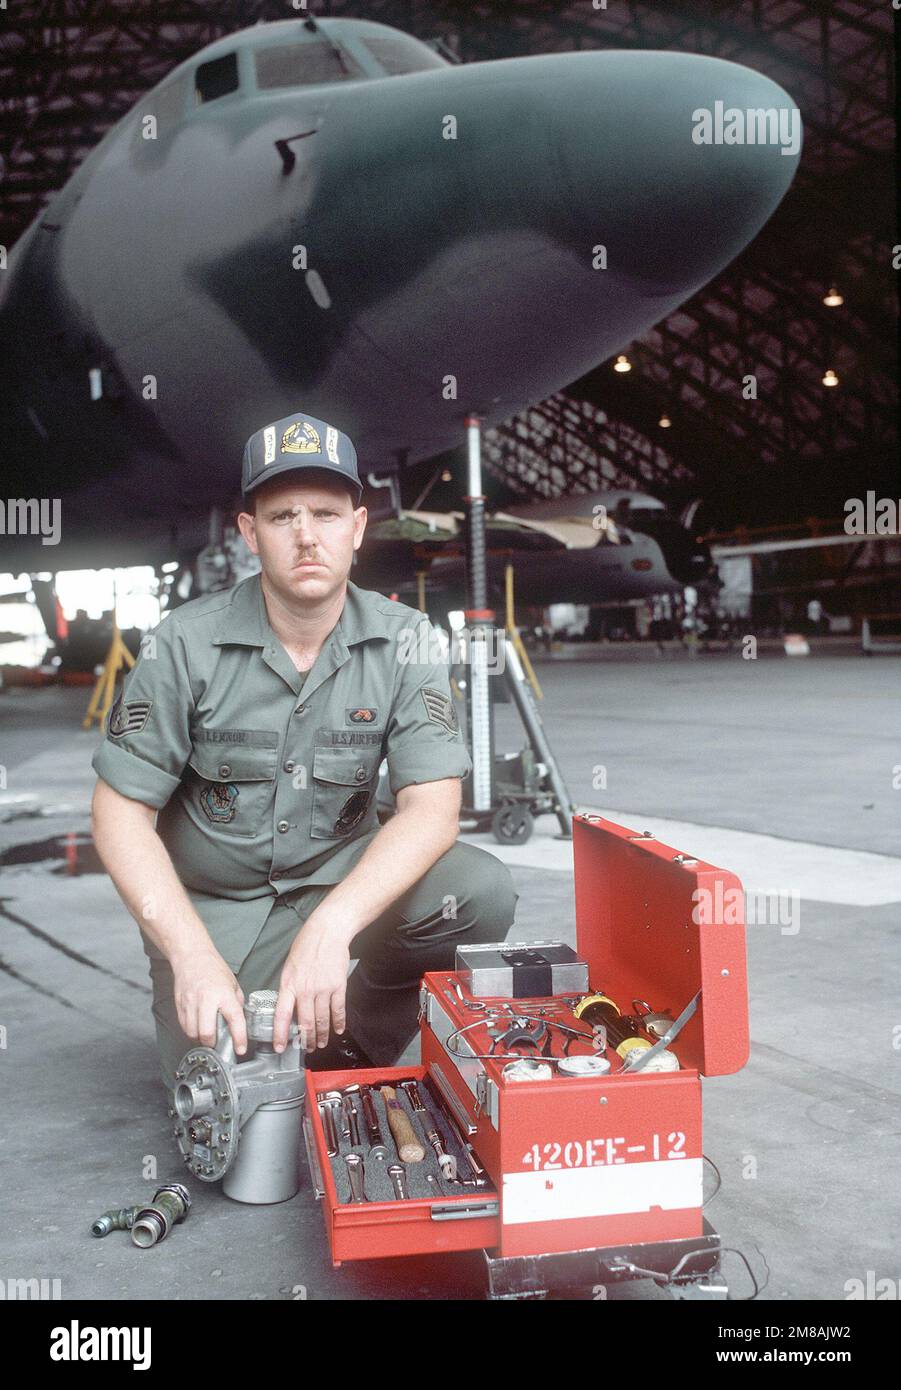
(267, 1166)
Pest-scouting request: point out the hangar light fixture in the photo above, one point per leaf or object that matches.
(622, 363)
(834, 298)
(830, 379)
(664, 422)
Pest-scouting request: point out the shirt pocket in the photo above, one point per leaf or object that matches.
(344, 786)
(232, 787)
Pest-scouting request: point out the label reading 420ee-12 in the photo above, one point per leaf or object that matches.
(597, 1153)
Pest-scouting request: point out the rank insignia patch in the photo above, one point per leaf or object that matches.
(128, 718)
(301, 438)
(220, 801)
(440, 709)
(352, 812)
(362, 716)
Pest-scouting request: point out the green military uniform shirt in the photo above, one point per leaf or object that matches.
(265, 779)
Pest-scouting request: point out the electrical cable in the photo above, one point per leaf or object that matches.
(719, 1180)
(758, 1288)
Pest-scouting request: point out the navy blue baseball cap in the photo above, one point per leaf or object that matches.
(297, 443)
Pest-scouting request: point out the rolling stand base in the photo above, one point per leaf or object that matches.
(685, 1269)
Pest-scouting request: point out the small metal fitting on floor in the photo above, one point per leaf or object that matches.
(171, 1204)
(117, 1219)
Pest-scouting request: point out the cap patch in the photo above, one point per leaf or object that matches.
(269, 444)
(301, 438)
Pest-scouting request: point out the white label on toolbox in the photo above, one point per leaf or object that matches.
(601, 1191)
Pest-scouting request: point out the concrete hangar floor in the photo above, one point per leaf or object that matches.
(782, 770)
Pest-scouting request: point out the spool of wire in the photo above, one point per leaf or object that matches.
(664, 1060)
(527, 1070)
(583, 1066)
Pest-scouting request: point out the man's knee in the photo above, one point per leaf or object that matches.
(488, 897)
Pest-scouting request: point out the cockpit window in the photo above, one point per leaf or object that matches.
(303, 65)
(400, 53)
(216, 78)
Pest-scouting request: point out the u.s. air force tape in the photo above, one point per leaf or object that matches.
(128, 718)
(440, 709)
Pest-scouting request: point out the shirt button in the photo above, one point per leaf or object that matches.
(225, 769)
(276, 875)
(301, 709)
(361, 774)
(290, 765)
(283, 827)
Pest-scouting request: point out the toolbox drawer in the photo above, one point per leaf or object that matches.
(376, 1229)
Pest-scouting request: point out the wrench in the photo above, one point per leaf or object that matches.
(357, 1174)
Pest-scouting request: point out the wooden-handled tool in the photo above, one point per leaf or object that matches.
(409, 1148)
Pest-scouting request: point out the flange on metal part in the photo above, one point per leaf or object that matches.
(216, 1095)
(207, 1113)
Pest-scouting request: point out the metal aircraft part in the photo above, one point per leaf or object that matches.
(221, 1103)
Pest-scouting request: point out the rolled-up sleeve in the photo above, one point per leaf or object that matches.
(424, 742)
(148, 732)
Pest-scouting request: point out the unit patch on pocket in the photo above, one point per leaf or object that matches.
(128, 718)
(220, 802)
(352, 812)
(440, 709)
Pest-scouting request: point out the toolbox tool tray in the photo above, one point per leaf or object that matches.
(577, 1163)
(374, 1229)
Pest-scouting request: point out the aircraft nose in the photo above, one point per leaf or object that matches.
(671, 161)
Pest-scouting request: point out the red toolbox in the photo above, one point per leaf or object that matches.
(573, 1163)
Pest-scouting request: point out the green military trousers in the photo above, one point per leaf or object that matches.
(467, 896)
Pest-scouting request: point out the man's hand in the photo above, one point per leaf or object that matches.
(313, 985)
(204, 988)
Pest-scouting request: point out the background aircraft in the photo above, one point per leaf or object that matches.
(331, 218)
(595, 548)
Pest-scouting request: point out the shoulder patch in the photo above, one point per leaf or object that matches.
(440, 709)
(128, 718)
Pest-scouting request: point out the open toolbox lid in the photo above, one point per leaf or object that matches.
(657, 925)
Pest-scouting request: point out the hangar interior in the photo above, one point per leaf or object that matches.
(783, 768)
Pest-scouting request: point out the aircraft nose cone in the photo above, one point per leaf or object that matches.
(672, 161)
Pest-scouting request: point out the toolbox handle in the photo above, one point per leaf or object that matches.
(452, 1102)
(459, 1211)
(312, 1159)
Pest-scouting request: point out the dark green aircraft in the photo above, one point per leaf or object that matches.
(326, 216)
